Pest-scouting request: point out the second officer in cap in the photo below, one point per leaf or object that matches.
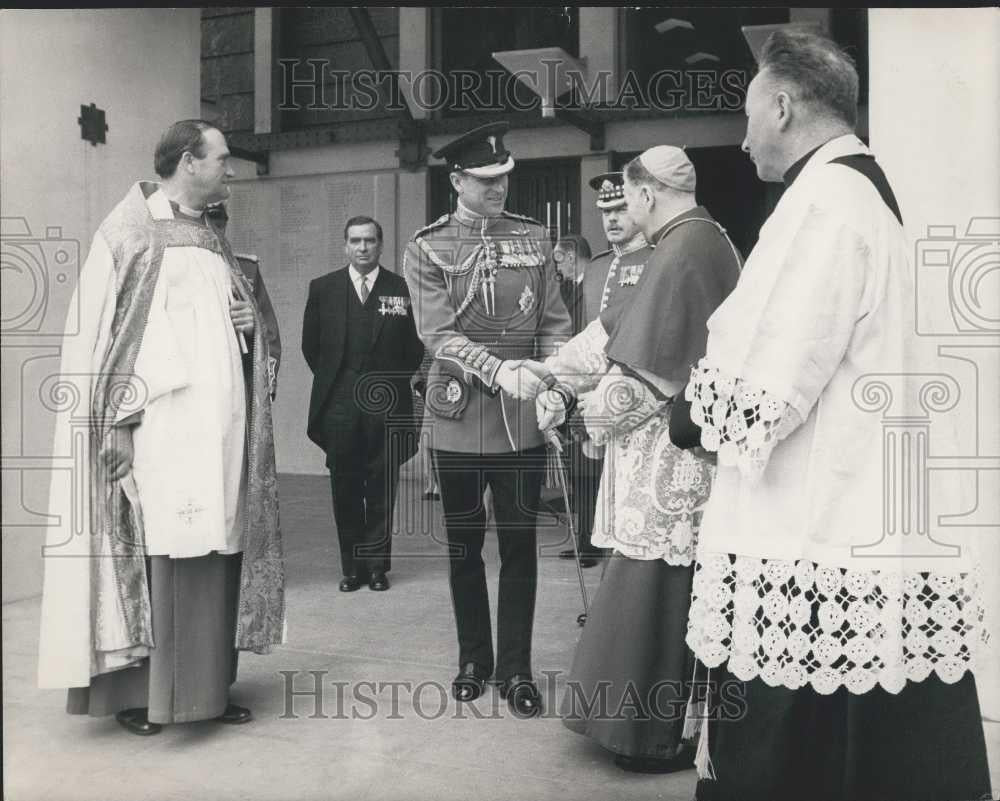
(613, 272)
(487, 306)
(608, 285)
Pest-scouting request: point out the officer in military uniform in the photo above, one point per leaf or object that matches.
(487, 306)
(607, 284)
(612, 272)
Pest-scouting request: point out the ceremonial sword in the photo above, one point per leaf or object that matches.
(555, 445)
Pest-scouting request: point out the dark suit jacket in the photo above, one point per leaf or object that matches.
(572, 295)
(396, 350)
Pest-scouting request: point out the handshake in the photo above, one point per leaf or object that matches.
(526, 379)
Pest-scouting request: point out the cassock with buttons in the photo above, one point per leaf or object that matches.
(485, 296)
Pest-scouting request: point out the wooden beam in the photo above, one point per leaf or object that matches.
(412, 140)
(589, 125)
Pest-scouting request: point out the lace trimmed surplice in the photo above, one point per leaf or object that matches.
(802, 575)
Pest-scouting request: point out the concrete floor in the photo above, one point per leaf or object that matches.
(360, 743)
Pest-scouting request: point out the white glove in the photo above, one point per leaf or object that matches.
(550, 409)
(521, 378)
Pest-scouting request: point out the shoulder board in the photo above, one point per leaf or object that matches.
(601, 255)
(511, 215)
(436, 224)
(247, 257)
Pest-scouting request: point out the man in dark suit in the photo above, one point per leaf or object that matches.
(360, 342)
(572, 257)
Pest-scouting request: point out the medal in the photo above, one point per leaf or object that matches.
(394, 305)
(527, 299)
(630, 274)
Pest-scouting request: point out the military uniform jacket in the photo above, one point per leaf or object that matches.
(483, 290)
(609, 279)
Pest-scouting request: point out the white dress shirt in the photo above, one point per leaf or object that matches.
(358, 279)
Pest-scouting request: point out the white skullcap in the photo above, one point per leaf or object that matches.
(671, 166)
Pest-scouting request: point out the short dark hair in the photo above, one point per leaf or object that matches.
(821, 73)
(363, 219)
(575, 243)
(185, 136)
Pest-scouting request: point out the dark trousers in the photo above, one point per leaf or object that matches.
(585, 481)
(516, 482)
(363, 478)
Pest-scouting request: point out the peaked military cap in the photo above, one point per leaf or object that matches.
(479, 152)
(610, 188)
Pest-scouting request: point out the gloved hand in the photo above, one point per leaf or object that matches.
(521, 378)
(550, 410)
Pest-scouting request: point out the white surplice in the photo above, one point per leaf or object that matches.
(807, 360)
(189, 465)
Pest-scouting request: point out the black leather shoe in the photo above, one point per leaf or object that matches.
(235, 715)
(431, 495)
(522, 695)
(350, 584)
(683, 760)
(586, 558)
(379, 582)
(137, 722)
(470, 682)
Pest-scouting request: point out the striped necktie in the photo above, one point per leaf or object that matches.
(364, 288)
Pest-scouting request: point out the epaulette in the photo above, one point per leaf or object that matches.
(523, 218)
(601, 254)
(436, 224)
(248, 257)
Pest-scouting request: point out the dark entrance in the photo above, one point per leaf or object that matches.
(729, 188)
(545, 189)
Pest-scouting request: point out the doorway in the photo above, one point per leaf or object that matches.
(547, 190)
(729, 188)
